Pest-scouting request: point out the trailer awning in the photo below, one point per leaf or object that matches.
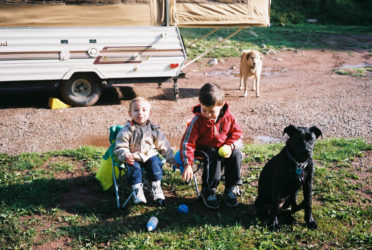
(51, 14)
(220, 13)
(183, 13)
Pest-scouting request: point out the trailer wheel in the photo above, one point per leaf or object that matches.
(81, 90)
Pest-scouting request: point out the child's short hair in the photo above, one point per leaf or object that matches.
(211, 94)
(138, 99)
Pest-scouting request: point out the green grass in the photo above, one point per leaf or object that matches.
(300, 36)
(357, 72)
(53, 199)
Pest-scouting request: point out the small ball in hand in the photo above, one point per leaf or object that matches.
(224, 151)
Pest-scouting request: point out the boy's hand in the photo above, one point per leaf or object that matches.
(187, 173)
(129, 159)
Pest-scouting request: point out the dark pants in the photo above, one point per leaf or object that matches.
(152, 168)
(212, 176)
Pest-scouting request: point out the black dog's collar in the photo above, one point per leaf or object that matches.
(300, 166)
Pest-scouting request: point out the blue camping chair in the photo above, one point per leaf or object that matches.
(201, 161)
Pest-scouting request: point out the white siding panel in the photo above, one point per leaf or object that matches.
(32, 53)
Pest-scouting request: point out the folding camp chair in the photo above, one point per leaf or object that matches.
(121, 168)
(201, 161)
(111, 168)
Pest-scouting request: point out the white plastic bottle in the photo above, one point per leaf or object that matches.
(152, 223)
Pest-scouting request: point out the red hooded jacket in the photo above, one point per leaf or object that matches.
(204, 132)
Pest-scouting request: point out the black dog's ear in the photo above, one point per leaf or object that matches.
(290, 130)
(316, 131)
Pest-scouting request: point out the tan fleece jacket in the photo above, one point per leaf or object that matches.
(142, 142)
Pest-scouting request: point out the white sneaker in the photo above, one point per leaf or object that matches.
(157, 191)
(139, 196)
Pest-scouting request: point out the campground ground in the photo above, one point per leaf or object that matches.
(299, 87)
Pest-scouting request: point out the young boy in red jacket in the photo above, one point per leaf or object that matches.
(213, 127)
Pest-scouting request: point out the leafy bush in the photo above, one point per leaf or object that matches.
(325, 11)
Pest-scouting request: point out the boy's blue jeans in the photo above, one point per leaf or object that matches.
(152, 168)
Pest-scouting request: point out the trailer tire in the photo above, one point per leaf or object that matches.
(81, 90)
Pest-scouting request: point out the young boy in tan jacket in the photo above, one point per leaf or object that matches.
(138, 145)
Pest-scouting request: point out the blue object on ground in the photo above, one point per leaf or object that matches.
(183, 209)
(152, 224)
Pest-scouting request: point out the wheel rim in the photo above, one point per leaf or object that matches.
(81, 88)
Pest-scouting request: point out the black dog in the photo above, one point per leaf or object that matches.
(285, 173)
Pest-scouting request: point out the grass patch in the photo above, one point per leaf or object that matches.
(357, 72)
(340, 151)
(54, 199)
(260, 153)
(300, 36)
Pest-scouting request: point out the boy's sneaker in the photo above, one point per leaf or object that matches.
(139, 196)
(231, 194)
(157, 191)
(209, 199)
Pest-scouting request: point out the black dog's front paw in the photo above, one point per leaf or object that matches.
(312, 224)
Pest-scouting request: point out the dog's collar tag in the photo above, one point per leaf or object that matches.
(299, 171)
(300, 174)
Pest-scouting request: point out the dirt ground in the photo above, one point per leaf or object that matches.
(297, 87)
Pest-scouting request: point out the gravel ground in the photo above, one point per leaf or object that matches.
(298, 88)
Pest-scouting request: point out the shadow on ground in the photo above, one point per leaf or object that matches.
(38, 96)
(27, 97)
(82, 195)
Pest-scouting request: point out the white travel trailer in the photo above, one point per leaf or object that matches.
(82, 58)
(83, 46)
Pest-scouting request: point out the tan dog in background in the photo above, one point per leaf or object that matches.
(250, 65)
